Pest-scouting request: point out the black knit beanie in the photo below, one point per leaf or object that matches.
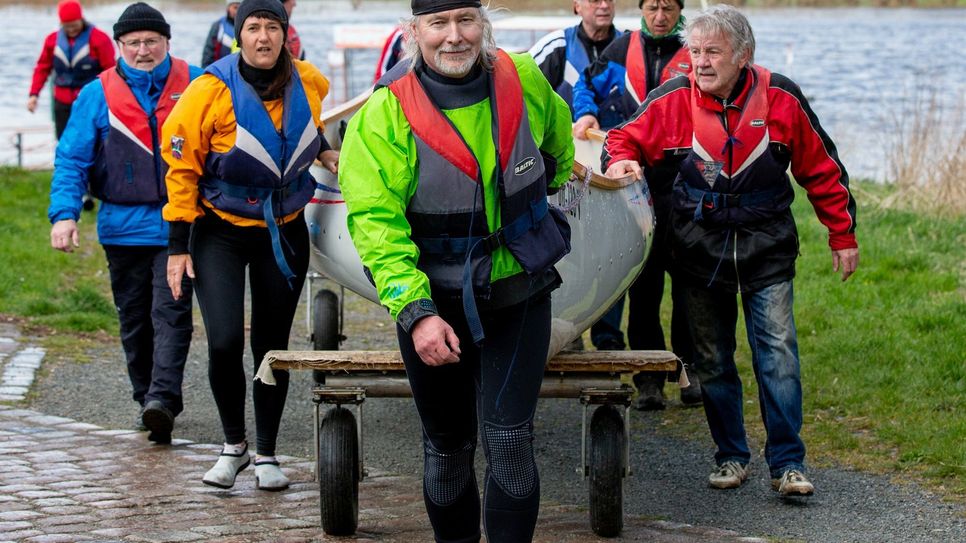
(422, 7)
(140, 16)
(249, 7)
(640, 4)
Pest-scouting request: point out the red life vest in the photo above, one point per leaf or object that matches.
(128, 168)
(635, 75)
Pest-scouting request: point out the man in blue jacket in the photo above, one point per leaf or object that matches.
(111, 147)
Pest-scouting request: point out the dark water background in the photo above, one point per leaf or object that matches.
(862, 68)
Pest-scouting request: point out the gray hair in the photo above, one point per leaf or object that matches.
(725, 21)
(411, 51)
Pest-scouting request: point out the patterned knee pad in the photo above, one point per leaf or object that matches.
(510, 456)
(446, 475)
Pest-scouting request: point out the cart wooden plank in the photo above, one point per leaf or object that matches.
(564, 362)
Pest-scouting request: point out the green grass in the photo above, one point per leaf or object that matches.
(59, 291)
(883, 354)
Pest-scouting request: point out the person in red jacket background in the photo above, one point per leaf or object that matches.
(77, 53)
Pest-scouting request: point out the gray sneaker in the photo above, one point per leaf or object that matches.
(793, 483)
(728, 475)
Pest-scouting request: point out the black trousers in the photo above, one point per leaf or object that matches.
(221, 253)
(493, 389)
(155, 328)
(644, 330)
(61, 116)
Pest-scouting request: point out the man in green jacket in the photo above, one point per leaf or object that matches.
(445, 172)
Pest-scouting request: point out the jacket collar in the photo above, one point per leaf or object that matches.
(143, 79)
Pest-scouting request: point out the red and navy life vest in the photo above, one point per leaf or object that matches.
(224, 39)
(635, 75)
(128, 168)
(74, 65)
(447, 213)
(265, 175)
(732, 175)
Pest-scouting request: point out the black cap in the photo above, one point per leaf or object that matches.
(422, 7)
(140, 16)
(640, 4)
(248, 7)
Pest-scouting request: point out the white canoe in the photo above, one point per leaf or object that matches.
(612, 225)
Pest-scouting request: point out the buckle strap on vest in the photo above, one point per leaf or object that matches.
(268, 214)
(708, 200)
(504, 235)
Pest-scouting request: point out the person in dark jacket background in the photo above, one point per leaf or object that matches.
(608, 93)
(221, 37)
(732, 129)
(120, 161)
(563, 55)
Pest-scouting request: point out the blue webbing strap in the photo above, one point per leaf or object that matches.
(501, 236)
(715, 200)
(268, 214)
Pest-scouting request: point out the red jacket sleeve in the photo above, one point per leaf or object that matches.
(44, 65)
(663, 122)
(815, 163)
(102, 48)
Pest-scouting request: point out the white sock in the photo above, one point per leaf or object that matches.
(235, 449)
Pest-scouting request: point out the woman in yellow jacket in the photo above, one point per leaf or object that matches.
(238, 148)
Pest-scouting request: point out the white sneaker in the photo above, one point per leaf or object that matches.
(731, 474)
(793, 483)
(268, 476)
(226, 469)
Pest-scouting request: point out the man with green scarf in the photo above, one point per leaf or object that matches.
(608, 93)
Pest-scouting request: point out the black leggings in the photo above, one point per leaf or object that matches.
(499, 383)
(220, 252)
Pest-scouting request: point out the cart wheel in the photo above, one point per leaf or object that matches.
(325, 326)
(339, 472)
(607, 471)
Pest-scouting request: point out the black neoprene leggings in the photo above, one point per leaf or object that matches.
(221, 251)
(500, 382)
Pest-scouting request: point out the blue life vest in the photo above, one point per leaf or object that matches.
(74, 65)
(265, 175)
(225, 38)
(128, 168)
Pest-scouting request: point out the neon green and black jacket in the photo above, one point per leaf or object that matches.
(378, 173)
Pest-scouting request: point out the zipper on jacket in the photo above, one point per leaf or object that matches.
(735, 256)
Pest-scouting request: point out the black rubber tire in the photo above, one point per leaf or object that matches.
(325, 326)
(339, 472)
(607, 471)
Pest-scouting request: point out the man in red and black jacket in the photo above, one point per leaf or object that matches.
(77, 53)
(732, 129)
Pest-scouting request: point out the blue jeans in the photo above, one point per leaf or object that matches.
(770, 325)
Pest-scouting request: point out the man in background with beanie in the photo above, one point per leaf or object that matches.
(112, 147)
(445, 172)
(608, 93)
(76, 53)
(221, 37)
(564, 54)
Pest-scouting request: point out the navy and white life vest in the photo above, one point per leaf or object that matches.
(447, 213)
(225, 38)
(731, 176)
(128, 168)
(74, 66)
(265, 175)
(575, 63)
(635, 75)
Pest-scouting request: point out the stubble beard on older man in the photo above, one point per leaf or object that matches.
(455, 67)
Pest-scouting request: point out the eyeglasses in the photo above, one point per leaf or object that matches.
(135, 45)
(599, 2)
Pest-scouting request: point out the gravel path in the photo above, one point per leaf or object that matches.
(670, 472)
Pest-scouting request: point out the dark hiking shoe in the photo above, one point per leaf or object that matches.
(691, 394)
(650, 394)
(159, 421)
